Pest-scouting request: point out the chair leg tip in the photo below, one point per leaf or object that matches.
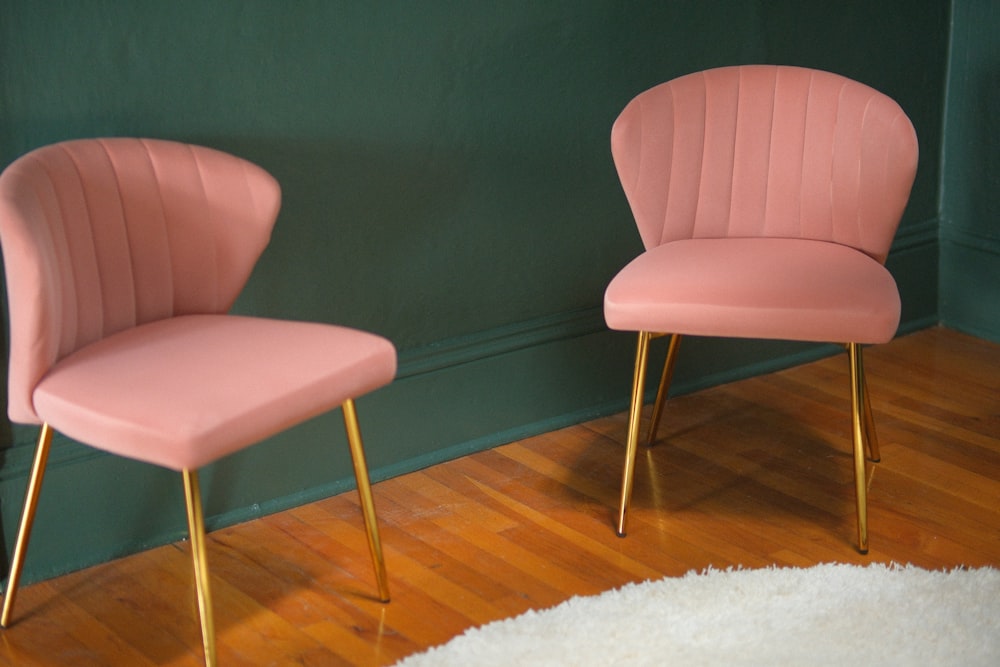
(620, 533)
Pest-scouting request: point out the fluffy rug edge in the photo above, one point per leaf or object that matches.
(829, 614)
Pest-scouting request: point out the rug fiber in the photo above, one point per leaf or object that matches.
(827, 615)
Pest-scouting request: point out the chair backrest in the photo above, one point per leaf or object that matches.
(766, 150)
(100, 235)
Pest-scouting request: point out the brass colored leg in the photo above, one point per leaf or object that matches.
(857, 423)
(196, 528)
(365, 492)
(27, 520)
(871, 437)
(661, 393)
(635, 412)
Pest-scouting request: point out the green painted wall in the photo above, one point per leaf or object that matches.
(970, 224)
(447, 183)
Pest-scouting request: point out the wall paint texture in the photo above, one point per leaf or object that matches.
(447, 183)
(970, 221)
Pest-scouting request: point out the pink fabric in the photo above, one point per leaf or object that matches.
(790, 289)
(122, 257)
(817, 164)
(185, 391)
(102, 235)
(763, 150)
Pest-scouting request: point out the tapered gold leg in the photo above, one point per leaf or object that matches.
(871, 437)
(857, 424)
(868, 423)
(367, 501)
(196, 529)
(661, 393)
(632, 441)
(27, 520)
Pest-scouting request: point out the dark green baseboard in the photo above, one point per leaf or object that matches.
(970, 279)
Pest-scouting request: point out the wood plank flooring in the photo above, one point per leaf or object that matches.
(754, 473)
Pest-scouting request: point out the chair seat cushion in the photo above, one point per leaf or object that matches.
(186, 391)
(789, 289)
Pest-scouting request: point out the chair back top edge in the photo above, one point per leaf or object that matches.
(766, 150)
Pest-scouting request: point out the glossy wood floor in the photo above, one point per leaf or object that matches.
(754, 473)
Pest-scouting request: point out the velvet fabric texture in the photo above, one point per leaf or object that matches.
(767, 198)
(122, 258)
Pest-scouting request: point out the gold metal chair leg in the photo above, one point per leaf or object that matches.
(868, 424)
(365, 492)
(635, 412)
(871, 436)
(857, 424)
(27, 521)
(661, 393)
(196, 529)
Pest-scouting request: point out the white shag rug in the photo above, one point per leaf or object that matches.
(827, 615)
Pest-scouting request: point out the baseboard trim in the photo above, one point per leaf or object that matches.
(917, 234)
(970, 282)
(16, 461)
(949, 233)
(501, 340)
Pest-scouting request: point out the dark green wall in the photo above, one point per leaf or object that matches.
(447, 183)
(970, 221)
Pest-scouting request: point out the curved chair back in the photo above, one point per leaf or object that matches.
(155, 229)
(779, 151)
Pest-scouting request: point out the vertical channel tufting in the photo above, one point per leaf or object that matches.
(172, 253)
(649, 134)
(123, 307)
(864, 239)
(761, 150)
(686, 137)
(752, 151)
(57, 297)
(658, 148)
(109, 233)
(801, 219)
(181, 192)
(699, 161)
(816, 220)
(784, 177)
(665, 150)
(664, 179)
(91, 227)
(211, 240)
(845, 169)
(153, 283)
(716, 132)
(79, 267)
(881, 191)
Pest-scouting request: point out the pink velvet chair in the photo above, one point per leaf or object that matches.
(123, 257)
(766, 198)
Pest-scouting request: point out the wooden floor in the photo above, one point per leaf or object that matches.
(754, 473)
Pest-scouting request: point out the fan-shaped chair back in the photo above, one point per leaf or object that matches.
(123, 258)
(767, 198)
(122, 232)
(766, 151)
